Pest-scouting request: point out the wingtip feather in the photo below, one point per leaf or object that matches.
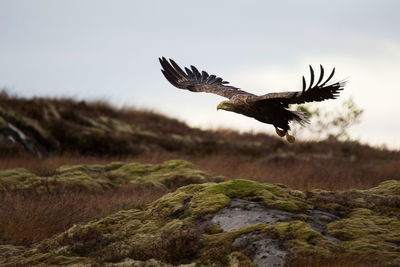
(321, 74)
(330, 77)
(312, 77)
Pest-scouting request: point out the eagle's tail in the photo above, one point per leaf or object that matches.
(301, 118)
(286, 116)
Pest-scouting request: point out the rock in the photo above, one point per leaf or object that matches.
(10, 134)
(241, 213)
(263, 251)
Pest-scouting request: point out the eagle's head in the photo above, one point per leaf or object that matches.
(227, 105)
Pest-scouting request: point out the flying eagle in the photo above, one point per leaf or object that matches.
(270, 108)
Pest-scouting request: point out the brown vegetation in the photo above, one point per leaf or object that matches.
(27, 219)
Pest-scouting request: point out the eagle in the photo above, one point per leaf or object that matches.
(271, 108)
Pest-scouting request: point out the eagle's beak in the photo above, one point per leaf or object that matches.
(219, 106)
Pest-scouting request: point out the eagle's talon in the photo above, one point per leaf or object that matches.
(290, 138)
(281, 133)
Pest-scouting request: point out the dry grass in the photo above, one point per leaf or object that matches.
(303, 174)
(27, 219)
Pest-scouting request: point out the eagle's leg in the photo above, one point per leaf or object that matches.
(290, 138)
(281, 133)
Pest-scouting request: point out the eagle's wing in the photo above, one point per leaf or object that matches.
(195, 81)
(318, 92)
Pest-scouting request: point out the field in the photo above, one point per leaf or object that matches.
(62, 132)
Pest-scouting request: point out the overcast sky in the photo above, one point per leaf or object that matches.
(108, 50)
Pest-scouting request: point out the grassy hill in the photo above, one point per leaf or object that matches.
(64, 131)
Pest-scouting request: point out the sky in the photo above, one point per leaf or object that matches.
(108, 50)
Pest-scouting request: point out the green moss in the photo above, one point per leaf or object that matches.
(170, 174)
(285, 205)
(77, 180)
(303, 241)
(389, 187)
(217, 196)
(90, 168)
(97, 178)
(383, 199)
(214, 229)
(365, 233)
(14, 179)
(174, 203)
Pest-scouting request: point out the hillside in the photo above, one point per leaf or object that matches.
(86, 184)
(64, 131)
(43, 126)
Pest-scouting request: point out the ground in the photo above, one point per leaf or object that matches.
(188, 227)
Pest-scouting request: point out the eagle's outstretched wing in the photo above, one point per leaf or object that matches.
(195, 81)
(318, 92)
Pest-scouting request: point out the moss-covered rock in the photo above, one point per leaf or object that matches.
(365, 233)
(174, 229)
(96, 178)
(177, 229)
(383, 199)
